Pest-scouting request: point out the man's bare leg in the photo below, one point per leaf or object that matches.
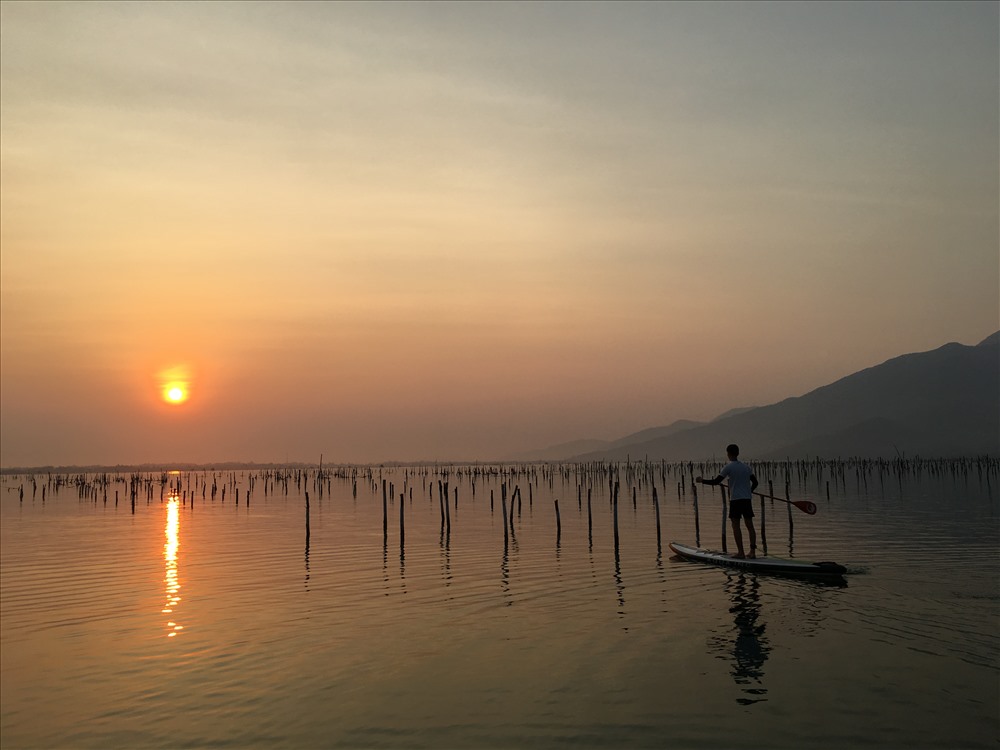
(752, 532)
(738, 535)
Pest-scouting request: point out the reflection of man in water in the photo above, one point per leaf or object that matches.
(750, 649)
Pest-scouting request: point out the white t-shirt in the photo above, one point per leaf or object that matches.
(738, 474)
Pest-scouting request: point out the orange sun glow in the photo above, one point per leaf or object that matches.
(174, 384)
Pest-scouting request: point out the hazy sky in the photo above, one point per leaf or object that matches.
(452, 231)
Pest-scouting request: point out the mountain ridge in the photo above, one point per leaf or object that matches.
(944, 402)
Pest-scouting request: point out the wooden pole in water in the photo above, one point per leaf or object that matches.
(590, 521)
(724, 514)
(656, 507)
(763, 528)
(615, 503)
(697, 520)
(791, 523)
(447, 512)
(558, 522)
(402, 526)
(503, 510)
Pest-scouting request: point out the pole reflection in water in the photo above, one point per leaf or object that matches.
(306, 582)
(750, 648)
(171, 579)
(505, 573)
(619, 584)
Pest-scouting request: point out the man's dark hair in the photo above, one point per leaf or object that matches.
(733, 448)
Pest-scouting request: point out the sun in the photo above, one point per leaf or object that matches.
(175, 393)
(173, 385)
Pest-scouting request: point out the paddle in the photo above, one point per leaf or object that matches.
(806, 506)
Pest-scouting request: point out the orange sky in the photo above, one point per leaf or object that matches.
(457, 231)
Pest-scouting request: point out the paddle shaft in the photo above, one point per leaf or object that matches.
(806, 506)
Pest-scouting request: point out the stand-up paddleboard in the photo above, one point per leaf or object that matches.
(774, 565)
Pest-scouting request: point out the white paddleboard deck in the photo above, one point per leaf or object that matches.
(775, 565)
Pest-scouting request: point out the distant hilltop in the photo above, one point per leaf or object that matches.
(943, 403)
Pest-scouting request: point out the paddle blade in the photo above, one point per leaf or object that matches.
(805, 506)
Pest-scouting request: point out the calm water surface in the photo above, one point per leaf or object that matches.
(195, 622)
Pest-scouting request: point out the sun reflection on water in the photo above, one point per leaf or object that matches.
(171, 579)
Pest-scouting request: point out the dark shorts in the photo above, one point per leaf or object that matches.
(740, 509)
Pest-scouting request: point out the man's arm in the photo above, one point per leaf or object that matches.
(753, 482)
(718, 480)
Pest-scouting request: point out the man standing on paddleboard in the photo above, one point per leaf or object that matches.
(742, 483)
